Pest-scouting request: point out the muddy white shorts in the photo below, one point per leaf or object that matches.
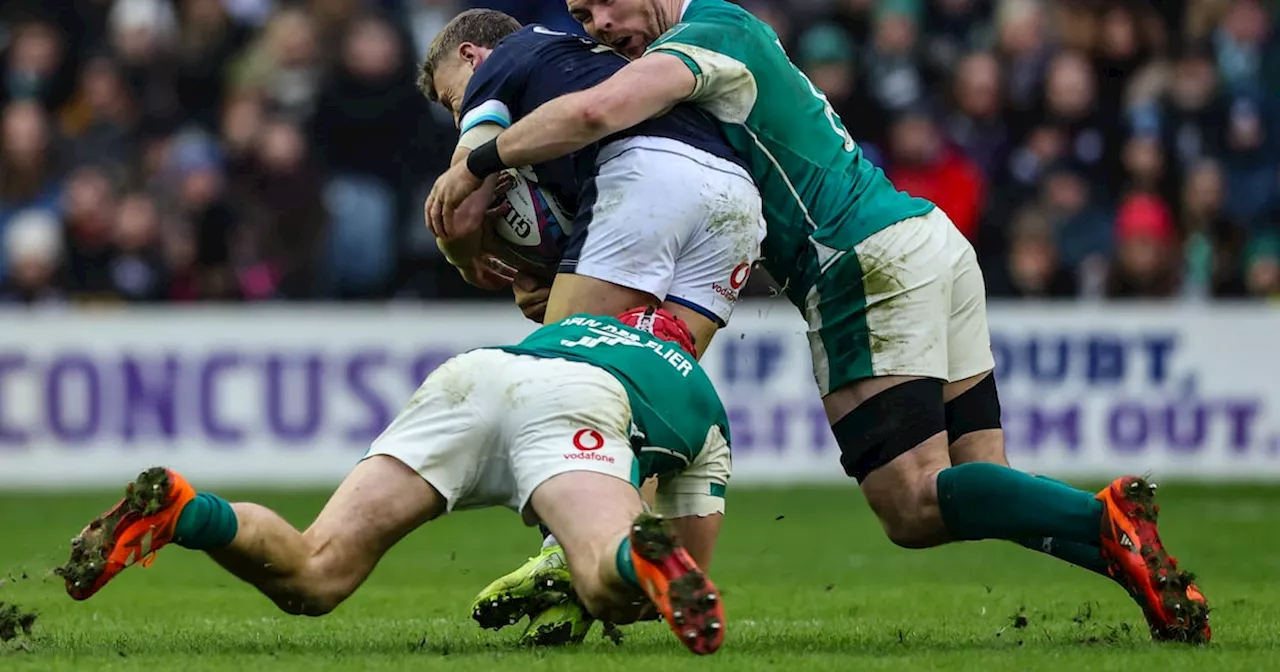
(671, 220)
(488, 427)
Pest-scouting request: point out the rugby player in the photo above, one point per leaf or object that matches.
(892, 292)
(664, 212)
(560, 428)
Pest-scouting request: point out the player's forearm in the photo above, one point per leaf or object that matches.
(644, 89)
(562, 126)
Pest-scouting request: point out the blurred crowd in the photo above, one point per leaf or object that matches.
(250, 150)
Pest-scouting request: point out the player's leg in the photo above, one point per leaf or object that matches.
(880, 337)
(974, 429)
(693, 501)
(312, 572)
(645, 220)
(576, 472)
(302, 572)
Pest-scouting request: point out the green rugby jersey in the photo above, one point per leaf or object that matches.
(821, 195)
(674, 406)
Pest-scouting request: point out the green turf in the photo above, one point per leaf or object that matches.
(809, 581)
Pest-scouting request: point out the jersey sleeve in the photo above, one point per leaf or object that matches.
(718, 54)
(699, 489)
(495, 89)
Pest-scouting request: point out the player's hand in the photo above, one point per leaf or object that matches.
(531, 296)
(447, 194)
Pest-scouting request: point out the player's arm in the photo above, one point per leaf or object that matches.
(643, 89)
(467, 253)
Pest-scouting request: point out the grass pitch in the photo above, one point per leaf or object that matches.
(809, 583)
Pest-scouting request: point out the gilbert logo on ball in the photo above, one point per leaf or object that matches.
(535, 226)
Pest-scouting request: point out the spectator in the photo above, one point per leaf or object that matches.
(1144, 267)
(32, 251)
(286, 187)
(826, 54)
(976, 124)
(1070, 103)
(1126, 40)
(366, 111)
(1213, 245)
(137, 268)
(35, 57)
(143, 37)
(194, 168)
(102, 128)
(1142, 156)
(894, 76)
(1249, 161)
(953, 28)
(29, 170)
(89, 213)
(283, 67)
(1044, 146)
(924, 165)
(1193, 111)
(1083, 228)
(210, 38)
(1032, 269)
(1021, 33)
(1242, 47)
(1262, 267)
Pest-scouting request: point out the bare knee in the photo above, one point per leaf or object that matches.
(892, 433)
(910, 514)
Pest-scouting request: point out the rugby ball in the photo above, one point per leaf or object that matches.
(536, 227)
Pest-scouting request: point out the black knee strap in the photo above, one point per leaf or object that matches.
(888, 425)
(977, 409)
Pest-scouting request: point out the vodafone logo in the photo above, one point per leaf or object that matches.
(737, 279)
(588, 439)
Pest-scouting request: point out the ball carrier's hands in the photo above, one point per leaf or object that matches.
(468, 172)
(476, 254)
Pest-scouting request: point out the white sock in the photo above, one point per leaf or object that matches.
(549, 541)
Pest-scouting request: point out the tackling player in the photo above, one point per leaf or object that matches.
(560, 428)
(892, 292)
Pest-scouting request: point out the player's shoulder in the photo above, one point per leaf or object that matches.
(715, 24)
(535, 37)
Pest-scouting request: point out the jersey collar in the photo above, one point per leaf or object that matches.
(685, 9)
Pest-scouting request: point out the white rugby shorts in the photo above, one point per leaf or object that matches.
(671, 220)
(488, 427)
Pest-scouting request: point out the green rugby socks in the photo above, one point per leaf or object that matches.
(1088, 556)
(206, 523)
(989, 501)
(626, 566)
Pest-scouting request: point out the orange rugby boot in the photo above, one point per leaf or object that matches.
(1175, 608)
(132, 531)
(685, 597)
